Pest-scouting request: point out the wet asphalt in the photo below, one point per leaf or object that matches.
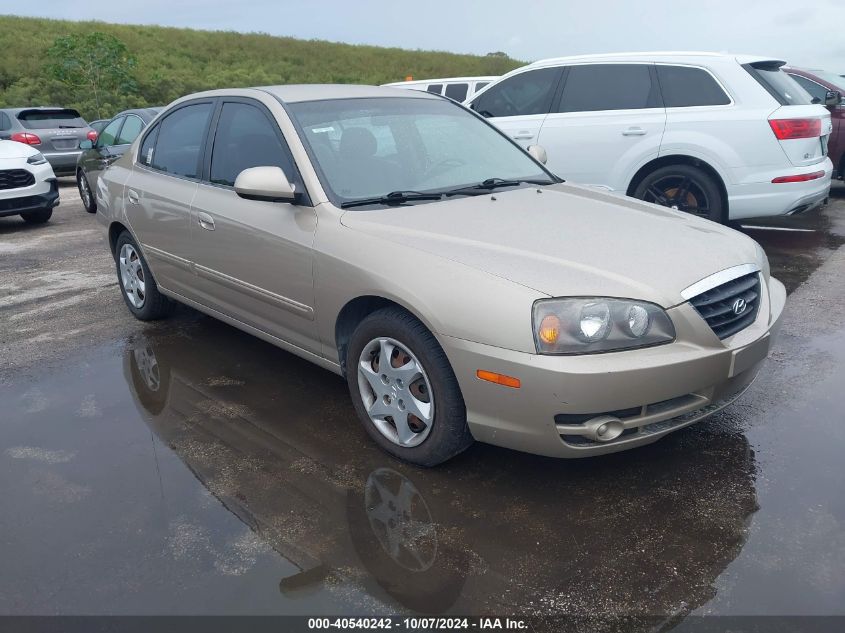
(184, 467)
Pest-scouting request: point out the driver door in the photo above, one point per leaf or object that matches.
(519, 104)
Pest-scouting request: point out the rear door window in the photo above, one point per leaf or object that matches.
(777, 83)
(46, 119)
(458, 92)
(5, 121)
(131, 129)
(594, 87)
(109, 134)
(685, 86)
(816, 91)
(435, 88)
(180, 140)
(480, 85)
(526, 93)
(246, 138)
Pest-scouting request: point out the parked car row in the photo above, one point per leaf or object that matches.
(462, 289)
(458, 88)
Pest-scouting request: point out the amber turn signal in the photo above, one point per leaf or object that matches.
(549, 329)
(499, 379)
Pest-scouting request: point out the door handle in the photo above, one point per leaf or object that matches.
(522, 135)
(133, 196)
(634, 131)
(205, 221)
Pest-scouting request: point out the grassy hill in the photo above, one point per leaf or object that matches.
(172, 62)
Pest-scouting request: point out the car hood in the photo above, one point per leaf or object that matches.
(567, 240)
(13, 149)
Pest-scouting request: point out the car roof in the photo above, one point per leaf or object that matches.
(295, 93)
(146, 113)
(657, 56)
(442, 80)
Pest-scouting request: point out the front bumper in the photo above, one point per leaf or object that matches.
(31, 201)
(653, 391)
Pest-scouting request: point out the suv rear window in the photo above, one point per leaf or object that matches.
(778, 84)
(685, 86)
(46, 119)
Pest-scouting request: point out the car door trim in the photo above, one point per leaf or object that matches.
(170, 258)
(256, 292)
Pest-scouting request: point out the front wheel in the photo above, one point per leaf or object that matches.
(685, 188)
(85, 192)
(404, 389)
(37, 217)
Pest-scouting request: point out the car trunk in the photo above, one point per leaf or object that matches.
(801, 127)
(60, 129)
(810, 148)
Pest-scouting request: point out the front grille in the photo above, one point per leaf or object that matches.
(15, 178)
(719, 306)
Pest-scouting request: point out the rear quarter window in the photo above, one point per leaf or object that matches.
(47, 119)
(684, 86)
(777, 83)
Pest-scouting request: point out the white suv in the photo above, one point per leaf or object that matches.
(28, 186)
(722, 136)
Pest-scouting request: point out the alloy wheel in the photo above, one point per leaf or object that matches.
(84, 190)
(132, 276)
(681, 193)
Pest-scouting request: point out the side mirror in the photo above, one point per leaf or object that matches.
(86, 145)
(832, 98)
(264, 183)
(539, 153)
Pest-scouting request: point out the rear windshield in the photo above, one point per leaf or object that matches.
(778, 84)
(46, 119)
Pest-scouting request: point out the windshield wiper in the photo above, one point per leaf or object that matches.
(492, 183)
(394, 197)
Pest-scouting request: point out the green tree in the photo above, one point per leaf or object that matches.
(96, 63)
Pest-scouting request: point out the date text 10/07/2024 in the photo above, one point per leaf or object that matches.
(418, 624)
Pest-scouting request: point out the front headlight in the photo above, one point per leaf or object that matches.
(36, 159)
(595, 324)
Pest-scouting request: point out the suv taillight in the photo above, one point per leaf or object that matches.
(788, 129)
(26, 137)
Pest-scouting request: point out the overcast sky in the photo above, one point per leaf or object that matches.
(808, 33)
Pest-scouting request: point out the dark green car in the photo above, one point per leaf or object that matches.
(113, 140)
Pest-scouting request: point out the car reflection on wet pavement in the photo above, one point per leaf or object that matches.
(185, 467)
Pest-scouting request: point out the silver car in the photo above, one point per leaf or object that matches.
(55, 132)
(465, 292)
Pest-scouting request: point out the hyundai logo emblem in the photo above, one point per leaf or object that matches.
(739, 306)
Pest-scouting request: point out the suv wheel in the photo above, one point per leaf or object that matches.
(684, 188)
(137, 285)
(404, 389)
(85, 193)
(37, 217)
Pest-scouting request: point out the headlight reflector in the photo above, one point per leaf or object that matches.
(588, 325)
(36, 159)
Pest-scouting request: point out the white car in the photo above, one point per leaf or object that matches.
(457, 88)
(722, 136)
(28, 186)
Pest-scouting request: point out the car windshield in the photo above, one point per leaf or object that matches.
(364, 148)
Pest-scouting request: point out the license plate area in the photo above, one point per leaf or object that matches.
(745, 358)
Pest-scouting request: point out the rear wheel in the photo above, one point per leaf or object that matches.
(37, 217)
(85, 192)
(137, 285)
(404, 389)
(685, 188)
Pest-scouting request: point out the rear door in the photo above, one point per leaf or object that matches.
(519, 104)
(253, 258)
(607, 120)
(801, 127)
(161, 188)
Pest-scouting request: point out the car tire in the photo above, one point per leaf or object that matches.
(685, 188)
(139, 289)
(445, 434)
(85, 192)
(37, 217)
